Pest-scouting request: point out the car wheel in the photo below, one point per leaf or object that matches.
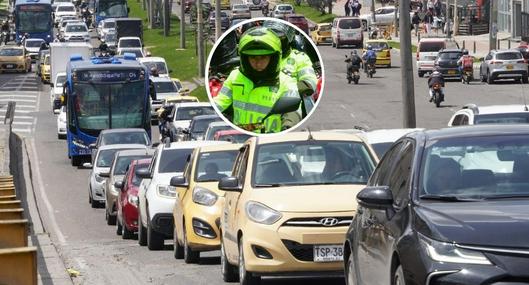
(190, 256)
(420, 74)
(398, 277)
(119, 227)
(126, 233)
(178, 250)
(229, 272)
(245, 277)
(350, 273)
(76, 160)
(111, 220)
(154, 239)
(142, 232)
(489, 79)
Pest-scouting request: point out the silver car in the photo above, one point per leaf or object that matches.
(503, 64)
(76, 32)
(240, 11)
(282, 10)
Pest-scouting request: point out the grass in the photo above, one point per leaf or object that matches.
(396, 45)
(200, 93)
(183, 63)
(310, 13)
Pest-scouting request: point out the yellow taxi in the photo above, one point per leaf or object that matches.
(289, 203)
(383, 50)
(14, 58)
(45, 69)
(321, 33)
(199, 205)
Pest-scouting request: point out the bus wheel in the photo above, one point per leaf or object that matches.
(76, 160)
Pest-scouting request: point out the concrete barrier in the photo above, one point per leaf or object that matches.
(18, 266)
(8, 197)
(10, 204)
(11, 214)
(14, 234)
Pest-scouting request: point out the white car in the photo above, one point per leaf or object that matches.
(61, 123)
(105, 26)
(63, 23)
(76, 32)
(282, 10)
(156, 197)
(383, 16)
(33, 47)
(129, 42)
(58, 2)
(164, 88)
(157, 62)
(181, 115)
(382, 140)
(471, 114)
(56, 91)
(64, 9)
(102, 162)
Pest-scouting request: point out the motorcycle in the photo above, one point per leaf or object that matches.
(437, 95)
(353, 76)
(371, 69)
(265, 10)
(467, 76)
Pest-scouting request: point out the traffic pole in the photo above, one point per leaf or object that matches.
(408, 91)
(200, 40)
(166, 18)
(218, 28)
(182, 24)
(492, 25)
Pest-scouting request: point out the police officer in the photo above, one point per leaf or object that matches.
(251, 91)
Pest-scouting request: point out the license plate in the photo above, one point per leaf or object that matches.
(509, 66)
(9, 66)
(328, 253)
(84, 151)
(451, 72)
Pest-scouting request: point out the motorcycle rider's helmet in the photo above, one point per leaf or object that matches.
(260, 41)
(285, 33)
(354, 52)
(369, 47)
(465, 52)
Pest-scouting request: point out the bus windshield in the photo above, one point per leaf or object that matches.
(101, 106)
(33, 18)
(112, 8)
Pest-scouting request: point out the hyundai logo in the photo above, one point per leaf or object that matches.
(329, 222)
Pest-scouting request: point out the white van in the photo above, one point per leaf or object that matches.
(428, 50)
(347, 31)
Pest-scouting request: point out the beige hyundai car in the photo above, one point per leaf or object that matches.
(199, 205)
(289, 202)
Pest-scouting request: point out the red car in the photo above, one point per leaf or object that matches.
(299, 21)
(127, 219)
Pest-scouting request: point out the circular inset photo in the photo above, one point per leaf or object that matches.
(265, 76)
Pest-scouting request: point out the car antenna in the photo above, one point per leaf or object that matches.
(524, 100)
(310, 137)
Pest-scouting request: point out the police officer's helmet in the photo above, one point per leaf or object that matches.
(285, 33)
(260, 41)
(369, 47)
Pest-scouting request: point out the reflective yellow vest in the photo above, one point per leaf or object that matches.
(299, 66)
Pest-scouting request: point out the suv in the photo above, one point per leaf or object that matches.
(156, 197)
(503, 64)
(447, 62)
(427, 52)
(471, 114)
(347, 31)
(289, 202)
(240, 11)
(282, 10)
(76, 32)
(224, 20)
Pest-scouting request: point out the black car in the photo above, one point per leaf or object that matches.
(224, 20)
(447, 62)
(199, 125)
(445, 206)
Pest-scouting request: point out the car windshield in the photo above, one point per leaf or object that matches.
(165, 87)
(450, 55)
(212, 166)
(312, 162)
(109, 25)
(159, 65)
(75, 28)
(187, 113)
(509, 56)
(60, 79)
(129, 43)
(110, 37)
(120, 168)
(105, 157)
(506, 118)
(129, 137)
(284, 8)
(136, 52)
(66, 9)
(136, 180)
(236, 138)
(11, 52)
(324, 28)
(212, 130)
(31, 44)
(430, 46)
(173, 160)
(486, 167)
(200, 126)
(349, 24)
(378, 45)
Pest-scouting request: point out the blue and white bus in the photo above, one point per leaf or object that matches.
(103, 93)
(35, 18)
(110, 9)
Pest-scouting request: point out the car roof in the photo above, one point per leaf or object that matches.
(204, 117)
(221, 147)
(66, 4)
(474, 131)
(142, 161)
(151, 59)
(229, 132)
(219, 123)
(387, 135)
(189, 144)
(34, 40)
(498, 109)
(132, 152)
(129, 38)
(304, 136)
(433, 40)
(122, 130)
(122, 146)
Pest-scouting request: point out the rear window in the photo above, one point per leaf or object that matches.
(509, 55)
(188, 113)
(125, 138)
(431, 46)
(349, 24)
(66, 9)
(284, 8)
(450, 55)
(120, 168)
(173, 160)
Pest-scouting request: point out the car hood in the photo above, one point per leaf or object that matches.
(494, 223)
(184, 124)
(309, 198)
(11, 58)
(57, 90)
(33, 49)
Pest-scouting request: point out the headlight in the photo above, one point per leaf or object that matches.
(204, 196)
(262, 214)
(451, 253)
(133, 200)
(166, 191)
(99, 179)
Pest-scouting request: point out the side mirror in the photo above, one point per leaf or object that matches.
(128, 10)
(56, 111)
(87, 165)
(375, 197)
(230, 184)
(119, 185)
(178, 181)
(104, 174)
(92, 146)
(143, 173)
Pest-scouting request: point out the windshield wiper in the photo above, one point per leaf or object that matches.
(271, 185)
(507, 196)
(448, 198)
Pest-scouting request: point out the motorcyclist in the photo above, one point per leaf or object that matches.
(369, 57)
(353, 63)
(154, 71)
(23, 39)
(5, 31)
(264, 7)
(86, 17)
(251, 91)
(436, 78)
(466, 62)
(103, 49)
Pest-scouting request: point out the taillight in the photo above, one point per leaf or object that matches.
(496, 62)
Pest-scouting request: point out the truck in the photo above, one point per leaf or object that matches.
(129, 27)
(60, 54)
